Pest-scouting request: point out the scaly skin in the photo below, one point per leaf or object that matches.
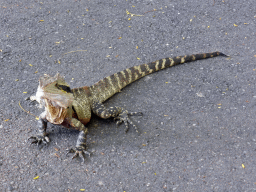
(72, 108)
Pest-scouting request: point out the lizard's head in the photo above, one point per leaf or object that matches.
(54, 91)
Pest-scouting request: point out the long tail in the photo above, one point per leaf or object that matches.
(112, 84)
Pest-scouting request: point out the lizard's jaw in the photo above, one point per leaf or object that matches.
(39, 96)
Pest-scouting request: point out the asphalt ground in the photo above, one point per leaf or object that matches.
(198, 128)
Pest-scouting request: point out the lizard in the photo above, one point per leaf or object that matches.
(73, 108)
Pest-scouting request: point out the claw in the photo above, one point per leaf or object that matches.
(78, 152)
(135, 113)
(39, 139)
(124, 118)
(118, 122)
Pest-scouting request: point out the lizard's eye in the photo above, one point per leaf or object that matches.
(64, 88)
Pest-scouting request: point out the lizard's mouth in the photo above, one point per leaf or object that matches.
(39, 97)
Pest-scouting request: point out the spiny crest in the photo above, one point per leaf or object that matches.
(46, 80)
(54, 89)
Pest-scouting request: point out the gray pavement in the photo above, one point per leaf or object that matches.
(198, 128)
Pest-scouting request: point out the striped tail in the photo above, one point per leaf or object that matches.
(112, 84)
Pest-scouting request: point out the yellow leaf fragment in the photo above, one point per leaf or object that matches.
(144, 145)
(36, 71)
(108, 56)
(138, 58)
(219, 104)
(55, 154)
(246, 23)
(57, 42)
(82, 189)
(59, 61)
(133, 6)
(25, 92)
(16, 79)
(155, 173)
(37, 118)
(190, 20)
(129, 26)
(137, 47)
(50, 55)
(128, 13)
(36, 177)
(144, 162)
(41, 20)
(235, 25)
(243, 166)
(87, 9)
(6, 119)
(129, 19)
(208, 26)
(30, 65)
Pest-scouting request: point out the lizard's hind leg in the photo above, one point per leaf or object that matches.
(119, 114)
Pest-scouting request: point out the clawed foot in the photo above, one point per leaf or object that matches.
(39, 139)
(124, 117)
(79, 152)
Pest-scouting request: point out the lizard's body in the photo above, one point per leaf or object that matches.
(72, 108)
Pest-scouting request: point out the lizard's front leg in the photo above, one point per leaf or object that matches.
(119, 114)
(80, 148)
(42, 135)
